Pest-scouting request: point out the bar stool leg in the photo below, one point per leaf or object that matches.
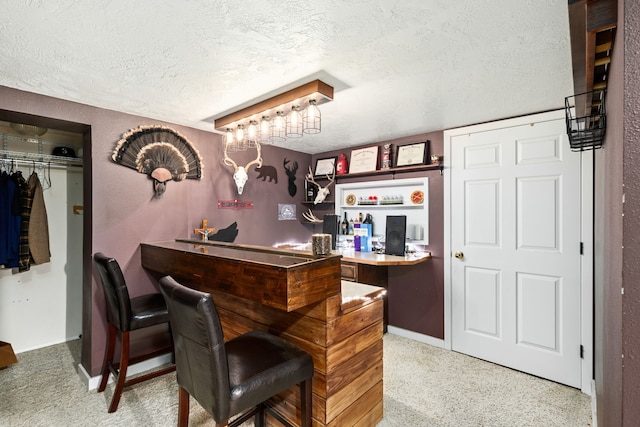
(108, 357)
(260, 417)
(183, 407)
(305, 403)
(122, 372)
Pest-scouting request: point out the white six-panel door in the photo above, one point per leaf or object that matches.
(515, 227)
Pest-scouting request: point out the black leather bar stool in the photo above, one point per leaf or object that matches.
(230, 378)
(124, 315)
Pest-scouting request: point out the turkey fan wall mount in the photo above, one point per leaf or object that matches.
(161, 153)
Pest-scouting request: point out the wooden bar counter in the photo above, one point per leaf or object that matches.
(301, 298)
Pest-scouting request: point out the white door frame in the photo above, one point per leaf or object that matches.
(586, 303)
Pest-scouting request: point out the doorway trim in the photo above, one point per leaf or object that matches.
(586, 208)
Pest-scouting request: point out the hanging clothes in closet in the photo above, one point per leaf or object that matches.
(23, 203)
(10, 221)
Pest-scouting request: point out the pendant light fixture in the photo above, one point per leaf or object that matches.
(240, 133)
(265, 130)
(229, 140)
(278, 125)
(311, 118)
(294, 123)
(303, 118)
(252, 134)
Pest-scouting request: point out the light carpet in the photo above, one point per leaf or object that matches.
(424, 386)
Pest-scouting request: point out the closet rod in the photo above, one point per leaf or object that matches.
(30, 158)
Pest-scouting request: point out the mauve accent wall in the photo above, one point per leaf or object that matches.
(631, 240)
(416, 293)
(617, 231)
(121, 211)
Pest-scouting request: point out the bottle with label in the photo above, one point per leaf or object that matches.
(369, 220)
(351, 226)
(341, 165)
(344, 227)
(309, 191)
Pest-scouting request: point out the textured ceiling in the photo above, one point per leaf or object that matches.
(398, 67)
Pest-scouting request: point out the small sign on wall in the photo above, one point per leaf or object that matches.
(286, 212)
(235, 204)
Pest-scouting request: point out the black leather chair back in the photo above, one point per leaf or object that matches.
(115, 290)
(201, 359)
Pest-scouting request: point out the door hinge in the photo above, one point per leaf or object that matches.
(581, 351)
(581, 248)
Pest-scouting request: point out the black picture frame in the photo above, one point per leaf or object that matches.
(325, 166)
(413, 153)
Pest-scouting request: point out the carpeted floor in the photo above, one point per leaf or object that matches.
(424, 386)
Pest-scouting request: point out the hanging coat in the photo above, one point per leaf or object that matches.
(10, 221)
(23, 201)
(38, 223)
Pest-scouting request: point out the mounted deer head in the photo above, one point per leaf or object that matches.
(240, 172)
(322, 192)
(291, 176)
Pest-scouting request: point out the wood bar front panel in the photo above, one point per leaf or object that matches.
(284, 288)
(346, 350)
(345, 341)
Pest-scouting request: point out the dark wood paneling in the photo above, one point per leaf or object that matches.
(284, 288)
(346, 346)
(592, 26)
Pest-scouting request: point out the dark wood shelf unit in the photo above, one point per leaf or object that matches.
(304, 221)
(592, 27)
(390, 171)
(326, 202)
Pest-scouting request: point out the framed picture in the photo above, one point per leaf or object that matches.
(412, 154)
(325, 166)
(286, 212)
(364, 160)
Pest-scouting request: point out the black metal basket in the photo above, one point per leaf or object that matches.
(586, 119)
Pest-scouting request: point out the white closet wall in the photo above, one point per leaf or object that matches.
(43, 306)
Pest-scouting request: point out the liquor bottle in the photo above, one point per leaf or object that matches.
(369, 220)
(345, 225)
(309, 191)
(351, 226)
(341, 166)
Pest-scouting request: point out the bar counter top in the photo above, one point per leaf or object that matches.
(281, 279)
(251, 253)
(373, 258)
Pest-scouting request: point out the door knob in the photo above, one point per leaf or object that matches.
(458, 254)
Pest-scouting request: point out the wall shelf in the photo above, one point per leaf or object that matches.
(326, 202)
(390, 171)
(376, 207)
(23, 149)
(417, 213)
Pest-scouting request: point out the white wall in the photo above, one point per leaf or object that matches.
(43, 306)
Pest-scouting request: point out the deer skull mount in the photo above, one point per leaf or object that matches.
(323, 192)
(240, 175)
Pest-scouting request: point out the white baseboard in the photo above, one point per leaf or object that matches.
(427, 339)
(594, 405)
(93, 382)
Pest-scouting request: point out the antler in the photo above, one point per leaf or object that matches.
(227, 160)
(240, 175)
(258, 159)
(309, 216)
(309, 178)
(290, 170)
(322, 192)
(333, 177)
